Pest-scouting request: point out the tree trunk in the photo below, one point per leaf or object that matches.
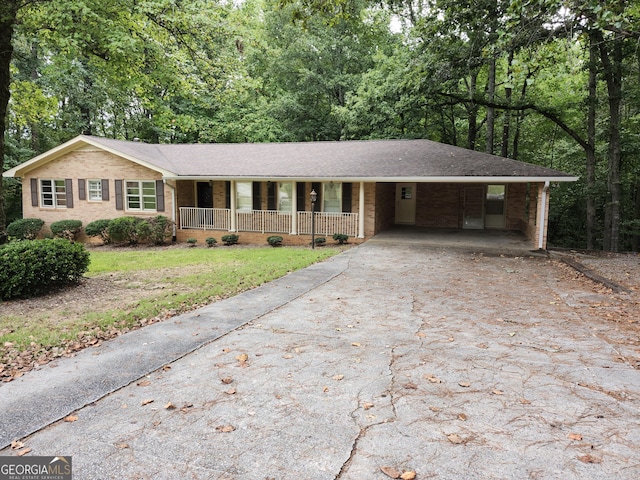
(8, 14)
(472, 112)
(507, 114)
(591, 140)
(612, 70)
(491, 113)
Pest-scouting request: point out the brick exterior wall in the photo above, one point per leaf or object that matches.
(90, 164)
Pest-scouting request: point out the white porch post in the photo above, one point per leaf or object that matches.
(234, 216)
(543, 206)
(294, 208)
(361, 211)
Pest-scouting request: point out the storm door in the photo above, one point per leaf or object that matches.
(406, 203)
(494, 206)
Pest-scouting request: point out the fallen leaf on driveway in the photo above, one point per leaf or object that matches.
(524, 401)
(497, 392)
(410, 386)
(409, 475)
(226, 380)
(143, 383)
(589, 459)
(355, 344)
(242, 358)
(464, 384)
(23, 452)
(169, 406)
(147, 401)
(462, 416)
(338, 377)
(225, 428)
(390, 472)
(455, 439)
(231, 391)
(575, 436)
(433, 379)
(70, 418)
(122, 446)
(17, 444)
(367, 406)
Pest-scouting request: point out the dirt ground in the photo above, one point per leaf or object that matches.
(113, 291)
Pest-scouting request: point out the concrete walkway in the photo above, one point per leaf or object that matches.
(453, 363)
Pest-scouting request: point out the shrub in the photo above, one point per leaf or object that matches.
(211, 242)
(160, 229)
(98, 228)
(69, 229)
(192, 241)
(320, 241)
(25, 228)
(125, 230)
(230, 239)
(274, 240)
(341, 238)
(33, 267)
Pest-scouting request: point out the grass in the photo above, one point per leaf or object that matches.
(189, 278)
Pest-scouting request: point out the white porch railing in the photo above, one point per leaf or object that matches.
(205, 218)
(329, 223)
(264, 221)
(268, 221)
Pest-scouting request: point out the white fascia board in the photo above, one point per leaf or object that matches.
(491, 180)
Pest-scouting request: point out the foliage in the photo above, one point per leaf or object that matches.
(210, 241)
(230, 239)
(69, 229)
(126, 230)
(98, 228)
(275, 240)
(25, 228)
(160, 228)
(192, 241)
(341, 238)
(33, 267)
(320, 241)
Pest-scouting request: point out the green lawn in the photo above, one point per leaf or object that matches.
(173, 280)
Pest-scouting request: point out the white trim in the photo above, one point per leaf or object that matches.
(361, 211)
(456, 179)
(234, 211)
(294, 208)
(543, 215)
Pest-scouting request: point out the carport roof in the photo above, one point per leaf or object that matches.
(363, 160)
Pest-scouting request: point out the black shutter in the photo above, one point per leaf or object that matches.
(119, 193)
(68, 186)
(159, 196)
(82, 189)
(317, 187)
(227, 194)
(105, 190)
(300, 196)
(271, 195)
(257, 198)
(347, 189)
(34, 192)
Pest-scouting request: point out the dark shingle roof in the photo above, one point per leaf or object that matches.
(374, 159)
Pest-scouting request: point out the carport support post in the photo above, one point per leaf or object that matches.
(361, 211)
(543, 206)
(233, 226)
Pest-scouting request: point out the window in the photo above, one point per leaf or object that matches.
(53, 193)
(332, 197)
(285, 193)
(244, 195)
(95, 190)
(141, 195)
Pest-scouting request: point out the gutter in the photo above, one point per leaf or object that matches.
(412, 179)
(543, 211)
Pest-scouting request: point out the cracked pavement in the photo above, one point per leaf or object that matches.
(446, 362)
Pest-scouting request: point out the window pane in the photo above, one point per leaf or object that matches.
(332, 197)
(244, 198)
(95, 190)
(46, 189)
(285, 191)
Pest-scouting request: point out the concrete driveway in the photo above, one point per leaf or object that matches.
(451, 363)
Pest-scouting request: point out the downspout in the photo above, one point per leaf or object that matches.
(174, 236)
(543, 211)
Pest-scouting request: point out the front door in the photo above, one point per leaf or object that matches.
(205, 195)
(473, 215)
(406, 203)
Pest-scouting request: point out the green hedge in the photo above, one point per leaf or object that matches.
(25, 228)
(69, 229)
(32, 267)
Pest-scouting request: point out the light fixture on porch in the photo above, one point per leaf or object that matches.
(314, 197)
